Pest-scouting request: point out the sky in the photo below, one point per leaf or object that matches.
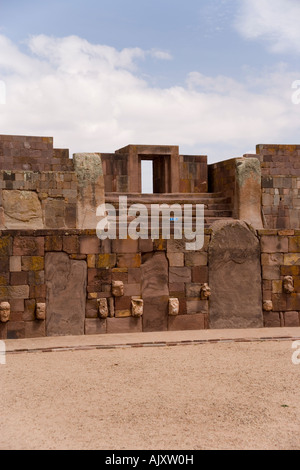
(215, 77)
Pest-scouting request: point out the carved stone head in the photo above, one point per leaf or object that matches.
(137, 307)
(205, 292)
(173, 306)
(288, 285)
(268, 305)
(102, 308)
(4, 312)
(40, 311)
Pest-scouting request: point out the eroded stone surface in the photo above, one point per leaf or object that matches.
(205, 292)
(66, 294)
(234, 277)
(117, 288)
(268, 305)
(22, 209)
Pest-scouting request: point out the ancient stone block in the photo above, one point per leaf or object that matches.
(155, 292)
(187, 322)
(122, 313)
(89, 245)
(196, 259)
(19, 278)
(234, 275)
(22, 210)
(32, 263)
(105, 260)
(271, 320)
(66, 294)
(291, 319)
(28, 246)
(29, 311)
(15, 264)
(173, 306)
(5, 246)
(176, 259)
(34, 329)
(129, 260)
(137, 307)
(53, 243)
(274, 244)
(180, 274)
(94, 326)
(124, 325)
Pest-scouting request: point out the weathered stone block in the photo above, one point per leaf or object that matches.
(105, 260)
(175, 259)
(274, 244)
(71, 244)
(30, 246)
(124, 325)
(291, 319)
(196, 259)
(89, 245)
(22, 209)
(292, 259)
(102, 308)
(117, 288)
(129, 260)
(234, 275)
(35, 329)
(32, 263)
(187, 322)
(94, 326)
(53, 243)
(180, 274)
(197, 306)
(66, 295)
(271, 319)
(15, 264)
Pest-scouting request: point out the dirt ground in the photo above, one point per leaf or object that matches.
(209, 396)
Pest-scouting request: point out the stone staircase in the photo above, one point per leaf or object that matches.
(216, 206)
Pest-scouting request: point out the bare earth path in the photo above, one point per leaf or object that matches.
(205, 396)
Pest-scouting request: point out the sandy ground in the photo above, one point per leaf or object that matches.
(209, 396)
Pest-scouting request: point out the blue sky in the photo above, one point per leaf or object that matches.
(214, 77)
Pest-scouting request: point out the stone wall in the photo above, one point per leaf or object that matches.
(280, 166)
(88, 286)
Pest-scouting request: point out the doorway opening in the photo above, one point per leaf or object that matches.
(155, 174)
(147, 176)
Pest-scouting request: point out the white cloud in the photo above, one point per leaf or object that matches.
(276, 21)
(91, 98)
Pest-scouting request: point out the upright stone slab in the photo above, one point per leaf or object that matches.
(155, 292)
(88, 167)
(248, 191)
(234, 277)
(66, 295)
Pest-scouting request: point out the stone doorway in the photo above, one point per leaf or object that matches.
(160, 175)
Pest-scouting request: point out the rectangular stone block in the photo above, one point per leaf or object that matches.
(4, 264)
(197, 306)
(122, 313)
(134, 275)
(193, 290)
(28, 246)
(175, 259)
(271, 272)
(29, 310)
(294, 244)
(35, 329)
(15, 264)
(17, 305)
(125, 246)
(272, 320)
(272, 259)
(124, 325)
(16, 330)
(32, 263)
(292, 259)
(71, 244)
(179, 274)
(196, 259)
(53, 243)
(200, 274)
(145, 246)
(132, 289)
(122, 303)
(94, 326)
(291, 319)
(105, 260)
(14, 292)
(19, 278)
(5, 246)
(89, 245)
(187, 322)
(274, 244)
(293, 302)
(129, 260)
(279, 302)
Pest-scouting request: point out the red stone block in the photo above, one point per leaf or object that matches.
(53, 243)
(274, 244)
(291, 319)
(271, 319)
(186, 322)
(19, 278)
(71, 244)
(89, 245)
(124, 325)
(125, 246)
(123, 303)
(29, 246)
(200, 274)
